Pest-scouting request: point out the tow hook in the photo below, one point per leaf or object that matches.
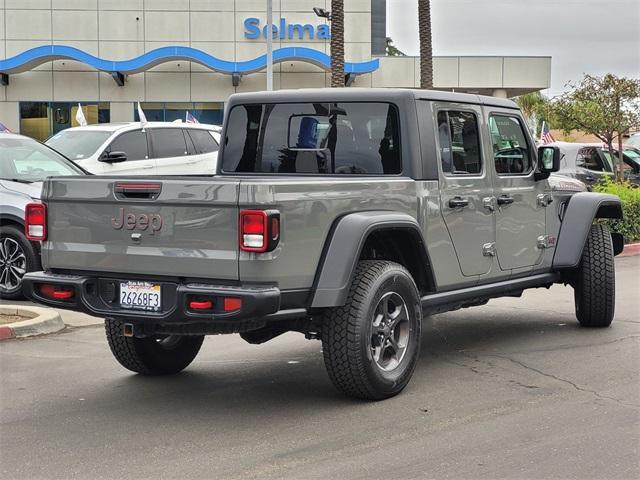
(127, 331)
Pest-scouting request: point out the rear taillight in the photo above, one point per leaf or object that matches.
(35, 221)
(259, 230)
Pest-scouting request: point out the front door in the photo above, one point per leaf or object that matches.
(135, 146)
(520, 201)
(466, 188)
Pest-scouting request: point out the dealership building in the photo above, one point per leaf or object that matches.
(178, 56)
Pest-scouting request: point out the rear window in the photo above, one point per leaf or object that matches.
(313, 138)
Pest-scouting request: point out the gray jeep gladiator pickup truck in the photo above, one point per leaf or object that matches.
(343, 214)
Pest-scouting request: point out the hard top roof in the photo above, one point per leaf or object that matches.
(366, 94)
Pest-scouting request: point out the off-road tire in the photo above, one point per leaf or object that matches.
(346, 333)
(595, 282)
(147, 355)
(15, 234)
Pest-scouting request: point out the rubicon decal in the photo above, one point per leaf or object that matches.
(131, 221)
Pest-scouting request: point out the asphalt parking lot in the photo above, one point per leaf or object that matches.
(514, 389)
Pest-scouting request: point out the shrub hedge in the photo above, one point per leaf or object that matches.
(629, 226)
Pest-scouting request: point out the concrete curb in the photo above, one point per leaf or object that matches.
(40, 322)
(630, 250)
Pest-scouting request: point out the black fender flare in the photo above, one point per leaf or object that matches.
(582, 209)
(9, 218)
(343, 248)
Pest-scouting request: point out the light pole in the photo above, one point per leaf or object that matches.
(269, 45)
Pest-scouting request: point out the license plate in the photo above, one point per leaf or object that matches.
(140, 296)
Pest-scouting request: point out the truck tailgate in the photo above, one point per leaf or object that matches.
(177, 227)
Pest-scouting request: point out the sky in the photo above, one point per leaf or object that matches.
(581, 36)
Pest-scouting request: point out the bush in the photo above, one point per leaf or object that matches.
(629, 226)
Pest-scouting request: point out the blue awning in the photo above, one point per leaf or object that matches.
(30, 59)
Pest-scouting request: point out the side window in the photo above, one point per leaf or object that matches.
(589, 158)
(134, 144)
(191, 148)
(459, 143)
(511, 152)
(168, 142)
(203, 140)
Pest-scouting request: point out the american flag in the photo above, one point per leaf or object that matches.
(545, 134)
(188, 118)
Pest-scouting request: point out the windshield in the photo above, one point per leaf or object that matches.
(25, 160)
(634, 140)
(78, 144)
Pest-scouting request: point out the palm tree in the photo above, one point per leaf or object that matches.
(337, 43)
(392, 50)
(426, 50)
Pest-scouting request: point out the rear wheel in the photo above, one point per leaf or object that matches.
(17, 257)
(595, 281)
(158, 355)
(371, 344)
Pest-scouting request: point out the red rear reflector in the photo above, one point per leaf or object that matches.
(200, 305)
(56, 293)
(63, 294)
(35, 221)
(232, 303)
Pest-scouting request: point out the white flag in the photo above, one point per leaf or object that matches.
(143, 119)
(80, 117)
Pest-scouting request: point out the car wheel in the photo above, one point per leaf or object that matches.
(157, 355)
(372, 343)
(595, 281)
(17, 257)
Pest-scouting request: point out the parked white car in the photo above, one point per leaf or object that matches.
(161, 148)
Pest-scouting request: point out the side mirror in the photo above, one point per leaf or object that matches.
(113, 157)
(548, 161)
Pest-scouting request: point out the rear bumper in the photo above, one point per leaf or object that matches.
(99, 296)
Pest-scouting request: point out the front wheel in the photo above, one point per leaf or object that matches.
(158, 355)
(595, 280)
(372, 343)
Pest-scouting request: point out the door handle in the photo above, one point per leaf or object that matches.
(147, 167)
(505, 200)
(458, 202)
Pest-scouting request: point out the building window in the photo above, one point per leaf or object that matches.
(40, 120)
(204, 112)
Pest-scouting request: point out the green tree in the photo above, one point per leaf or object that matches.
(535, 108)
(607, 107)
(392, 50)
(337, 43)
(426, 48)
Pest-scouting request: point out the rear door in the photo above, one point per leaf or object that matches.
(520, 214)
(466, 187)
(138, 227)
(170, 151)
(205, 149)
(135, 145)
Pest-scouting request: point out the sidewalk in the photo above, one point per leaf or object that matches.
(70, 319)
